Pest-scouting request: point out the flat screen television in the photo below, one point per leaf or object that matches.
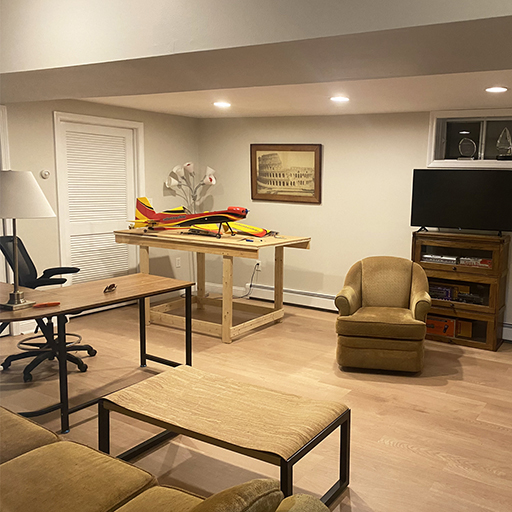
(479, 199)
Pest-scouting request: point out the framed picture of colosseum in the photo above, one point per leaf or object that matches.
(286, 172)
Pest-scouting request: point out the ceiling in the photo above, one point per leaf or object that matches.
(463, 91)
(424, 68)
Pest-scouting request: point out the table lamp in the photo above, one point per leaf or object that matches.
(21, 197)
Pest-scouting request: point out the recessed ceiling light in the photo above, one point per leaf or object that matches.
(222, 104)
(464, 132)
(496, 89)
(339, 99)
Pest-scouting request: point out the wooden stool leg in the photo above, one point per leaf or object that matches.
(103, 428)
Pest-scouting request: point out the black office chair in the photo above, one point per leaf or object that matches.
(27, 277)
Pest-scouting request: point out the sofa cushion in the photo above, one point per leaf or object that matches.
(162, 499)
(65, 476)
(19, 435)
(381, 322)
(302, 503)
(260, 495)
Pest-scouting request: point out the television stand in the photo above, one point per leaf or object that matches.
(467, 277)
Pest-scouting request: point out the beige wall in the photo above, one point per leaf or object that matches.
(366, 190)
(168, 140)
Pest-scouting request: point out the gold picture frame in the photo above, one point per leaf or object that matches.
(286, 172)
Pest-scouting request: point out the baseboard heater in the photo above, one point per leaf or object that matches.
(296, 297)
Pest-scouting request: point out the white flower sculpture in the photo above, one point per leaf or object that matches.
(182, 180)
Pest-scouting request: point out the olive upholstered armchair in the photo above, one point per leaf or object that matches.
(382, 311)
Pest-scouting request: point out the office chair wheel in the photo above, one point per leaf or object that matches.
(5, 365)
(27, 377)
(92, 352)
(82, 367)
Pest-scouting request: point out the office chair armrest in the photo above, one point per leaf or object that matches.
(45, 281)
(56, 271)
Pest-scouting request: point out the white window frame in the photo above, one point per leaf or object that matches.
(476, 115)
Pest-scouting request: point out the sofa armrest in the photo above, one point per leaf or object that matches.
(301, 503)
(259, 495)
(347, 301)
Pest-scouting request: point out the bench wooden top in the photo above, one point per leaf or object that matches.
(226, 410)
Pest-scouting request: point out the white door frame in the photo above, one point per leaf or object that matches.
(137, 129)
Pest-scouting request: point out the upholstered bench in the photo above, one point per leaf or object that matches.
(264, 424)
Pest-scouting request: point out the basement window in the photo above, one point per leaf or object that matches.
(471, 139)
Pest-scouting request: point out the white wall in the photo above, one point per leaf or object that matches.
(46, 34)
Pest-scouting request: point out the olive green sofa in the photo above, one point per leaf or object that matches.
(382, 311)
(39, 472)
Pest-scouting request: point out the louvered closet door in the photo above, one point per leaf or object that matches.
(96, 197)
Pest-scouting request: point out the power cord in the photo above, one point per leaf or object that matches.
(257, 264)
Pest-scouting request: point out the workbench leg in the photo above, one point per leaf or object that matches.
(278, 279)
(144, 269)
(227, 298)
(201, 279)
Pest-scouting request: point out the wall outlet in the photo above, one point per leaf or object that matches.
(258, 266)
(178, 262)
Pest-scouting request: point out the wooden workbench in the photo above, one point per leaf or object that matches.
(229, 247)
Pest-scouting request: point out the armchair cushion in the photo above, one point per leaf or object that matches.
(386, 282)
(381, 322)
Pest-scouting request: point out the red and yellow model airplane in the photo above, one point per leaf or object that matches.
(181, 218)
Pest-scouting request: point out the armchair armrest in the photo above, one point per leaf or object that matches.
(56, 271)
(420, 305)
(301, 503)
(347, 301)
(420, 299)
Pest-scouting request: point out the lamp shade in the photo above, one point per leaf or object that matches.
(21, 197)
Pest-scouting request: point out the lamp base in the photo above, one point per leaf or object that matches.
(17, 301)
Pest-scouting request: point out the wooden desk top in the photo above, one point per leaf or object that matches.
(238, 245)
(85, 296)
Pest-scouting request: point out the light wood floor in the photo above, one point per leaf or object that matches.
(440, 441)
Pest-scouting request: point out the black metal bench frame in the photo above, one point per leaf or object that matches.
(286, 465)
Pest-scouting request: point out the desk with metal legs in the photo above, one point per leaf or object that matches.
(86, 296)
